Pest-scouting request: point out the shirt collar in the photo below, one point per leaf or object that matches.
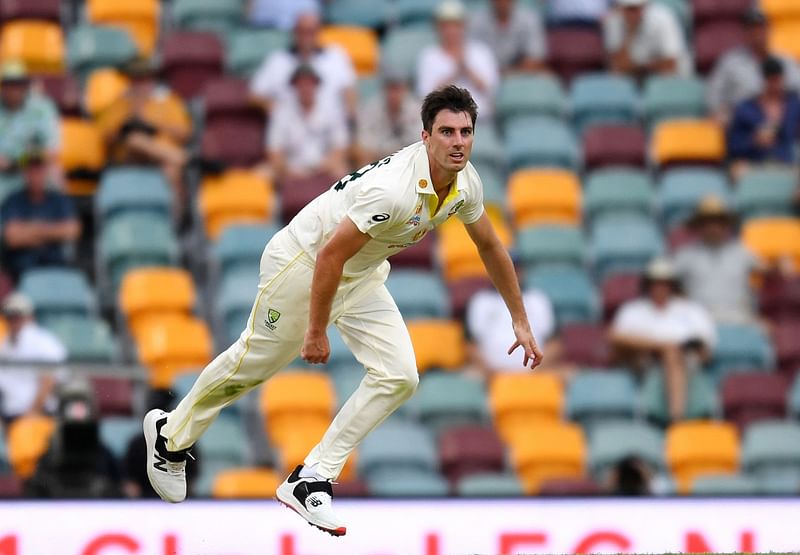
(422, 173)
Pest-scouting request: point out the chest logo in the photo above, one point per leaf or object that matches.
(456, 208)
(423, 183)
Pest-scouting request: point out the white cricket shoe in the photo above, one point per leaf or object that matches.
(311, 499)
(165, 469)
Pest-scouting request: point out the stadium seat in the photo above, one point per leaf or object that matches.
(783, 38)
(394, 447)
(618, 289)
(113, 395)
(763, 192)
(296, 193)
(468, 450)
(701, 397)
(530, 95)
(103, 87)
(614, 145)
(779, 297)
(539, 196)
(462, 291)
(222, 17)
(569, 487)
(741, 347)
(487, 151)
(38, 44)
(235, 197)
(64, 90)
(618, 190)
(774, 239)
(246, 483)
(82, 155)
(772, 448)
(224, 442)
(681, 190)
(403, 45)
(537, 141)
(575, 50)
(547, 451)
(712, 40)
(586, 344)
(342, 358)
(190, 60)
(234, 302)
(688, 141)
(240, 246)
(446, 400)
(612, 442)
(237, 143)
(603, 98)
(248, 48)
(139, 189)
(141, 19)
(668, 97)
(494, 185)
(150, 293)
(709, 11)
(408, 483)
(701, 447)
(489, 484)
(92, 47)
(734, 485)
(780, 10)
(598, 396)
(49, 10)
(418, 294)
(366, 13)
(116, 432)
(551, 244)
(28, 438)
(11, 487)
(229, 98)
(624, 244)
(295, 447)
(171, 346)
(437, 344)
(58, 291)
(570, 290)
(86, 338)
(291, 398)
(360, 44)
(787, 348)
(458, 254)
(519, 401)
(751, 397)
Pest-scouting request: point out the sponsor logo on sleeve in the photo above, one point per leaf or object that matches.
(382, 217)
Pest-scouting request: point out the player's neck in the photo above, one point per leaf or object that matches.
(442, 179)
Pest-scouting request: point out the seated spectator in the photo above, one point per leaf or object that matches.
(27, 390)
(390, 121)
(716, 271)
(458, 61)
(577, 12)
(280, 14)
(664, 327)
(515, 34)
(737, 77)
(272, 79)
(765, 128)
(306, 135)
(149, 124)
(28, 119)
(38, 223)
(644, 38)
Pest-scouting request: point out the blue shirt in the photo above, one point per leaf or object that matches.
(749, 117)
(36, 121)
(54, 207)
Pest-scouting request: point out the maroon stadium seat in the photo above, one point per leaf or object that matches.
(64, 91)
(352, 488)
(10, 486)
(234, 142)
(586, 345)
(614, 145)
(462, 290)
(418, 256)
(229, 98)
(465, 450)
(190, 60)
(617, 289)
(679, 236)
(713, 40)
(295, 194)
(30, 9)
(575, 50)
(114, 396)
(780, 296)
(574, 488)
(787, 346)
(707, 11)
(748, 398)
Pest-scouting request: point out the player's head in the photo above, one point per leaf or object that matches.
(448, 126)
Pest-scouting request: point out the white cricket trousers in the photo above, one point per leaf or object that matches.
(371, 327)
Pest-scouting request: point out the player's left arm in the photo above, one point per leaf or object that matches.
(501, 270)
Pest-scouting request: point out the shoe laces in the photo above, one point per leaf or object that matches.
(178, 468)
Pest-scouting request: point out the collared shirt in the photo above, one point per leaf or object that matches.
(306, 139)
(18, 384)
(719, 279)
(393, 201)
(737, 77)
(35, 122)
(658, 37)
(280, 13)
(377, 132)
(522, 37)
(679, 321)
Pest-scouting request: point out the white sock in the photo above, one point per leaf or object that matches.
(310, 471)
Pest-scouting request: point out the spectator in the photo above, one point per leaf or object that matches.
(630, 477)
(515, 34)
(577, 12)
(281, 14)
(25, 390)
(458, 61)
(38, 223)
(337, 77)
(644, 38)
(28, 120)
(716, 271)
(737, 75)
(662, 326)
(307, 136)
(765, 128)
(149, 124)
(390, 121)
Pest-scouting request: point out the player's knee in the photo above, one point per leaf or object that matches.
(407, 381)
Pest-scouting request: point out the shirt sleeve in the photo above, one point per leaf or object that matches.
(627, 321)
(473, 205)
(264, 83)
(373, 210)
(715, 94)
(275, 129)
(613, 30)
(536, 45)
(670, 36)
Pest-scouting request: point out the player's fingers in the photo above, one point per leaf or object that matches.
(513, 347)
(538, 356)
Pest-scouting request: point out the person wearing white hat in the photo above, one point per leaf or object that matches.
(644, 38)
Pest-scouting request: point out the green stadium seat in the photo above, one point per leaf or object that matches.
(494, 184)
(239, 247)
(235, 298)
(765, 192)
(772, 448)
(224, 443)
(529, 95)
(117, 431)
(681, 190)
(603, 98)
(218, 16)
(551, 244)
(395, 446)
(682, 10)
(5, 467)
(740, 348)
(702, 400)
(794, 398)
(86, 338)
(624, 243)
(58, 291)
(725, 485)
(408, 482)
(778, 484)
(669, 97)
(596, 396)
(445, 400)
(402, 46)
(345, 382)
(535, 141)
(414, 11)
(487, 150)
(611, 442)
(503, 484)
(570, 290)
(614, 191)
(133, 189)
(341, 357)
(204, 484)
(368, 87)
(364, 13)
(247, 48)
(418, 294)
(90, 47)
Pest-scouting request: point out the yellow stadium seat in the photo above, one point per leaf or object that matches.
(140, 19)
(784, 37)
(169, 346)
(360, 43)
(297, 399)
(28, 439)
(459, 255)
(779, 11)
(38, 44)
(437, 343)
(82, 155)
(688, 140)
(774, 239)
(246, 483)
(297, 445)
(549, 451)
(3, 328)
(235, 197)
(541, 196)
(103, 87)
(521, 400)
(152, 293)
(701, 447)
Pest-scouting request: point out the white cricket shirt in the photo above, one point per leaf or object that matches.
(393, 201)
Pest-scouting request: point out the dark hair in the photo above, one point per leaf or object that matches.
(450, 98)
(772, 67)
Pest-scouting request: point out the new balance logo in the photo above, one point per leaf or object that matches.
(314, 502)
(161, 463)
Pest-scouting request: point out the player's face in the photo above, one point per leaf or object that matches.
(449, 143)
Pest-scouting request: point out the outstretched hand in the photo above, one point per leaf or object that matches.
(525, 339)
(316, 348)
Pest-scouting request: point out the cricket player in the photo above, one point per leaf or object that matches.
(328, 266)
